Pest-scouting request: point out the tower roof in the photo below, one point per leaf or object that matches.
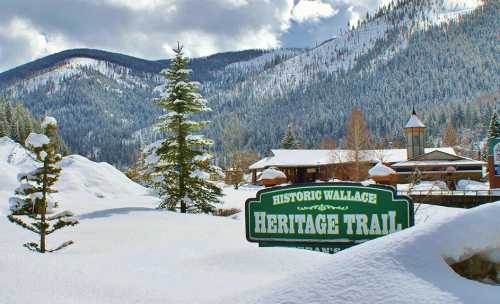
(414, 121)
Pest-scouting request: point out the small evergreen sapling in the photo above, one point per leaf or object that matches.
(32, 205)
(182, 166)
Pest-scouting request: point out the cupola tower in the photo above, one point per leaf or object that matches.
(414, 131)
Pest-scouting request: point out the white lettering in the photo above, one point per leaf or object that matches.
(310, 225)
(282, 223)
(361, 224)
(332, 221)
(260, 222)
(271, 223)
(320, 222)
(349, 220)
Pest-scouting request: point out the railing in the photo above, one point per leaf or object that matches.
(490, 192)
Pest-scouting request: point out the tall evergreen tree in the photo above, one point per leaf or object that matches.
(288, 141)
(494, 129)
(32, 205)
(3, 124)
(183, 164)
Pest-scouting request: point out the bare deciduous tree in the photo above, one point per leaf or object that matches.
(357, 140)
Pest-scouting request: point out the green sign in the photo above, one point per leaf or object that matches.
(325, 217)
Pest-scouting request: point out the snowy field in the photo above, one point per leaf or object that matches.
(125, 251)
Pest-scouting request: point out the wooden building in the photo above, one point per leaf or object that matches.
(303, 165)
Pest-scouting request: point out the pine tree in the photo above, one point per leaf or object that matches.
(180, 173)
(3, 124)
(32, 205)
(288, 141)
(494, 130)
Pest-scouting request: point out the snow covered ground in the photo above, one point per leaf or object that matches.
(125, 251)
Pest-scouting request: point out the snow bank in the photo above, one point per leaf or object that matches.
(14, 159)
(271, 173)
(380, 170)
(80, 177)
(405, 267)
(80, 174)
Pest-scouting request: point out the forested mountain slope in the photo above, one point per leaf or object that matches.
(103, 99)
(419, 53)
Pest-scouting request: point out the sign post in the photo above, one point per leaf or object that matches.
(494, 163)
(325, 217)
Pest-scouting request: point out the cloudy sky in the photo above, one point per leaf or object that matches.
(31, 29)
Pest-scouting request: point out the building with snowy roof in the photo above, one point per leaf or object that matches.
(305, 165)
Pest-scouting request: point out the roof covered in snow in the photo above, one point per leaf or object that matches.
(312, 158)
(439, 158)
(414, 122)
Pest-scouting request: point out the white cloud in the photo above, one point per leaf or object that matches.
(149, 28)
(140, 5)
(312, 10)
(262, 39)
(19, 37)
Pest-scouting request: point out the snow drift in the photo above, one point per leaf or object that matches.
(80, 176)
(406, 267)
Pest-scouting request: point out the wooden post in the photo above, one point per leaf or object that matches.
(254, 177)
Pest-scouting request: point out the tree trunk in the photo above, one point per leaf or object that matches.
(42, 235)
(44, 207)
(181, 141)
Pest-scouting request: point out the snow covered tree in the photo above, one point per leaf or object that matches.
(32, 205)
(288, 141)
(494, 130)
(182, 169)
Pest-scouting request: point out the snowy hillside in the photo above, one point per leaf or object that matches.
(128, 252)
(401, 56)
(116, 91)
(77, 68)
(343, 52)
